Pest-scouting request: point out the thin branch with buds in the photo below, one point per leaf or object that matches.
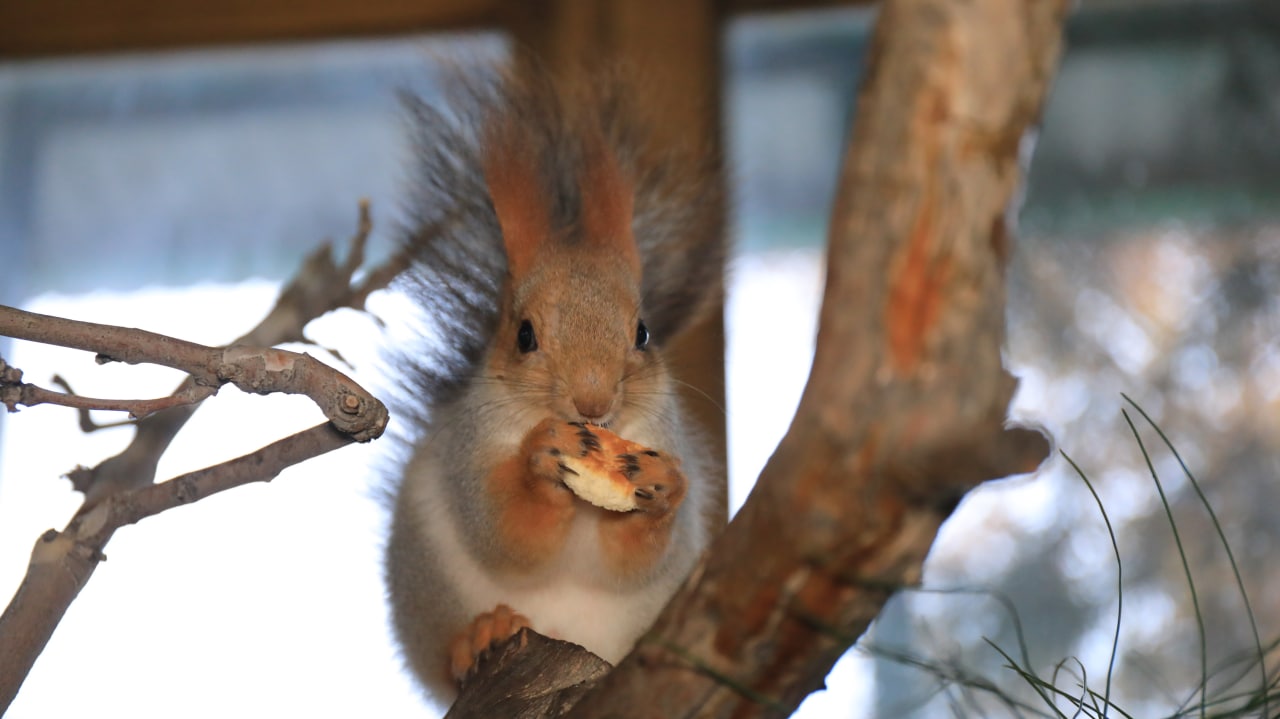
(14, 392)
(252, 369)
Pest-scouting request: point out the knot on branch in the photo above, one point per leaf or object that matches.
(940, 478)
(10, 385)
(364, 421)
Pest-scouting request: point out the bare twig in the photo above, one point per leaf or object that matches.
(322, 285)
(62, 562)
(252, 369)
(15, 392)
(260, 466)
(87, 424)
(319, 287)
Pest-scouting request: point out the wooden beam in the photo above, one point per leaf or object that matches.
(745, 6)
(50, 28)
(43, 28)
(676, 46)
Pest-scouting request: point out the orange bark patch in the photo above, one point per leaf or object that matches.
(746, 624)
(917, 291)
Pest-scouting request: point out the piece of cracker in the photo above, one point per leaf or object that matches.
(599, 477)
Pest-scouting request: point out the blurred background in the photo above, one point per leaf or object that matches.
(175, 191)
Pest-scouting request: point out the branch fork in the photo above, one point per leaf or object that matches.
(121, 490)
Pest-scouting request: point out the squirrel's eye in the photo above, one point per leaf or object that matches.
(642, 336)
(525, 339)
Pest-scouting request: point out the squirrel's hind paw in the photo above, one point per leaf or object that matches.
(487, 629)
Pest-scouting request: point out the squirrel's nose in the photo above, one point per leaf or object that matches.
(593, 397)
(593, 407)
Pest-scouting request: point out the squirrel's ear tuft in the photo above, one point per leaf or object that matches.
(511, 172)
(608, 202)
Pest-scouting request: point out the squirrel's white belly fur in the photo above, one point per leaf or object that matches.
(570, 599)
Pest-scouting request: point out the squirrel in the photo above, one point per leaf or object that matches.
(555, 249)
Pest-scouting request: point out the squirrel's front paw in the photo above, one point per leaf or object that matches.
(486, 630)
(552, 441)
(658, 483)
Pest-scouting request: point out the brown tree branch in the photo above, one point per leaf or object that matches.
(529, 677)
(905, 407)
(320, 286)
(252, 369)
(62, 562)
(121, 491)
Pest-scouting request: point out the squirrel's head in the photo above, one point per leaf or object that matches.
(571, 334)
